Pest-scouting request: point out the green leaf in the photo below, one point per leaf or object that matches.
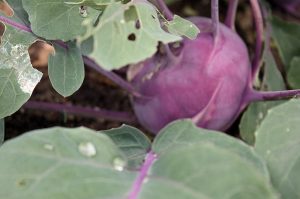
(59, 163)
(97, 4)
(17, 76)
(184, 132)
(257, 111)
(182, 27)
(66, 69)
(293, 75)
(277, 141)
(118, 40)
(204, 172)
(133, 143)
(53, 19)
(286, 35)
(2, 131)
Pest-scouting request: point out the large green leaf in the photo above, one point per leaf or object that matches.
(278, 142)
(127, 33)
(257, 111)
(17, 76)
(133, 143)
(293, 75)
(66, 69)
(61, 163)
(183, 133)
(286, 35)
(2, 131)
(53, 19)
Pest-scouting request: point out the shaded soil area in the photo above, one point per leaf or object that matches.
(101, 92)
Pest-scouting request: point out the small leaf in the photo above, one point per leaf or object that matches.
(293, 75)
(56, 20)
(17, 76)
(277, 141)
(66, 69)
(2, 131)
(126, 34)
(133, 143)
(182, 27)
(286, 35)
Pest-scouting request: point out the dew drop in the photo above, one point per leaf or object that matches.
(49, 147)
(145, 180)
(268, 152)
(119, 164)
(122, 21)
(87, 149)
(288, 130)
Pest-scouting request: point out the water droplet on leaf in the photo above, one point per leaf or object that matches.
(119, 164)
(87, 149)
(49, 147)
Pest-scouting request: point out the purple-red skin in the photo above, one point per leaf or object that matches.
(210, 78)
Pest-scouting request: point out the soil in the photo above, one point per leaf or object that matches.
(100, 91)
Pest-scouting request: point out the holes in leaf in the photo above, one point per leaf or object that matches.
(132, 37)
(83, 11)
(130, 14)
(138, 24)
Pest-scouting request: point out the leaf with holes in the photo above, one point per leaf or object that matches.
(54, 19)
(93, 167)
(133, 143)
(17, 76)
(127, 32)
(277, 141)
(66, 69)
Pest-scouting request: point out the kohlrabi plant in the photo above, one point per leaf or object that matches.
(188, 79)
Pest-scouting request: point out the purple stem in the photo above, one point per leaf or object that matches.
(231, 13)
(259, 25)
(215, 18)
(15, 24)
(88, 61)
(137, 185)
(82, 111)
(165, 10)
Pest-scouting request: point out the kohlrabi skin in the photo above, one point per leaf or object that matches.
(207, 80)
(291, 6)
